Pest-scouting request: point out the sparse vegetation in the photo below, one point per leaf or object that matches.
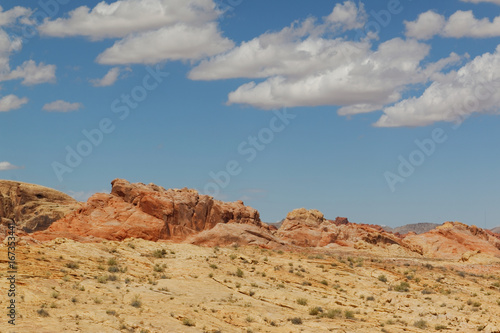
(188, 322)
(42, 312)
(302, 301)
(72, 265)
(402, 287)
(136, 302)
(422, 324)
(160, 253)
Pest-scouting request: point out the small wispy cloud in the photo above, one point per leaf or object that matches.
(4, 166)
(109, 79)
(62, 106)
(11, 102)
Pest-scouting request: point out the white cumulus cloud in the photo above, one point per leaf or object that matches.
(177, 42)
(62, 106)
(120, 18)
(348, 16)
(10, 16)
(11, 102)
(460, 24)
(301, 67)
(148, 31)
(31, 73)
(452, 97)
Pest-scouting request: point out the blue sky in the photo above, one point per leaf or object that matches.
(381, 111)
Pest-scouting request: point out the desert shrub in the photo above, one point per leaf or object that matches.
(113, 269)
(188, 322)
(296, 321)
(324, 282)
(349, 314)
(159, 269)
(370, 298)
(112, 262)
(72, 265)
(440, 327)
(422, 324)
(102, 279)
(111, 312)
(315, 311)
(42, 313)
(239, 273)
(159, 253)
(54, 294)
(302, 301)
(402, 287)
(213, 266)
(136, 302)
(333, 313)
(382, 278)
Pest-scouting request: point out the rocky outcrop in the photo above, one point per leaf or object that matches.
(309, 228)
(237, 234)
(418, 228)
(454, 239)
(32, 207)
(149, 212)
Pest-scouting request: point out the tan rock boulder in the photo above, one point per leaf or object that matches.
(236, 234)
(33, 207)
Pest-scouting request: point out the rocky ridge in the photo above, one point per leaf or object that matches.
(153, 213)
(32, 207)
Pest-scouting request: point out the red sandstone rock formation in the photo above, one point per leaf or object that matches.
(453, 239)
(309, 228)
(153, 213)
(149, 212)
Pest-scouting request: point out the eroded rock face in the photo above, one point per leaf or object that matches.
(149, 212)
(32, 207)
(309, 228)
(454, 240)
(236, 234)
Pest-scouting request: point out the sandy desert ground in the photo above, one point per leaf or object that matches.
(142, 286)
